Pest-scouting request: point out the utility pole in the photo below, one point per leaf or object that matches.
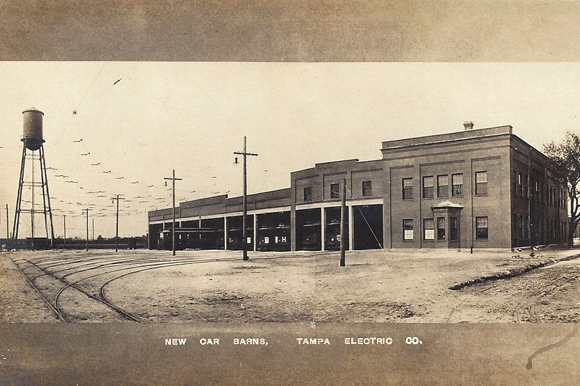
(342, 223)
(7, 227)
(245, 200)
(64, 228)
(93, 222)
(117, 223)
(173, 179)
(86, 211)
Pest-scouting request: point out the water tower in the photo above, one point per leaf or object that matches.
(33, 150)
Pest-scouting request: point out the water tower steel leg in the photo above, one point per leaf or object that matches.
(19, 196)
(42, 185)
(43, 163)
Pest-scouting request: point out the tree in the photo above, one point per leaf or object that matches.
(565, 159)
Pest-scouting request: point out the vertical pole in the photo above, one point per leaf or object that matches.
(18, 208)
(530, 196)
(173, 225)
(32, 207)
(87, 210)
(42, 187)
(93, 223)
(225, 234)
(7, 226)
(117, 227)
(43, 164)
(322, 229)
(245, 209)
(342, 223)
(64, 229)
(255, 232)
(245, 201)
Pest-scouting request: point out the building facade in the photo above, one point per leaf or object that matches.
(477, 188)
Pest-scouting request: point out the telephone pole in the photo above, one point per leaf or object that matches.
(173, 179)
(245, 200)
(342, 223)
(86, 211)
(117, 223)
(7, 227)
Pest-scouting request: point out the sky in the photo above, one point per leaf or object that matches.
(122, 127)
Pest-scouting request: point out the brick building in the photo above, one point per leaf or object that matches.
(474, 188)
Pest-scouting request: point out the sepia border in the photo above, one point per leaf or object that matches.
(291, 31)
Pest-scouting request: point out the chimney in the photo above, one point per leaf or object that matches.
(468, 125)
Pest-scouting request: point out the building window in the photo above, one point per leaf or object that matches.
(442, 185)
(453, 229)
(367, 188)
(308, 193)
(428, 229)
(440, 228)
(481, 183)
(407, 188)
(408, 229)
(428, 187)
(481, 228)
(520, 187)
(457, 182)
(526, 185)
(334, 190)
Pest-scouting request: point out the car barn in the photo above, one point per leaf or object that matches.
(475, 188)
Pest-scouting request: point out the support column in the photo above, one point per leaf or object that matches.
(293, 229)
(323, 228)
(225, 233)
(351, 228)
(255, 232)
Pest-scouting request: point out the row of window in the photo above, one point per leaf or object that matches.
(367, 190)
(434, 228)
(551, 227)
(443, 185)
(550, 195)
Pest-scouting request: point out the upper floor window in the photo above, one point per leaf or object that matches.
(334, 190)
(480, 182)
(442, 185)
(428, 187)
(457, 184)
(367, 188)
(407, 188)
(308, 193)
(520, 185)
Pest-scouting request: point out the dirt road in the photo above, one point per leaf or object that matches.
(217, 286)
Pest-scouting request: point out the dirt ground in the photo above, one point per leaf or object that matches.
(217, 286)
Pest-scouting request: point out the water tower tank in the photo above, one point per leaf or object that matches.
(32, 134)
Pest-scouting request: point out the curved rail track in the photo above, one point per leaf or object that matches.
(128, 266)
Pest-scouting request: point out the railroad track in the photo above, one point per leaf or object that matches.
(134, 266)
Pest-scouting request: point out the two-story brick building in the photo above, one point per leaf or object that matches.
(474, 188)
